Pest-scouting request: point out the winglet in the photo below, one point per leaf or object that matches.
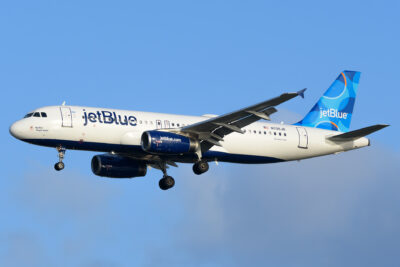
(301, 92)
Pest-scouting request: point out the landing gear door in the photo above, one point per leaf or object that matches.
(303, 137)
(66, 116)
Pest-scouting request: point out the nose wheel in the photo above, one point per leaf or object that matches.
(60, 164)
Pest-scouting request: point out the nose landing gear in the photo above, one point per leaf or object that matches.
(60, 165)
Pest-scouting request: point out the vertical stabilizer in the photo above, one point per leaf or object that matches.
(334, 109)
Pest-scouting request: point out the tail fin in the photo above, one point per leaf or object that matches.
(334, 109)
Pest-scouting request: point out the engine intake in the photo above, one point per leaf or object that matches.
(167, 143)
(113, 166)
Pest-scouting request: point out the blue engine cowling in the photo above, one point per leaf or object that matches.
(159, 142)
(113, 166)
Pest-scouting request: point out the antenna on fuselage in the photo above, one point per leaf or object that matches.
(63, 103)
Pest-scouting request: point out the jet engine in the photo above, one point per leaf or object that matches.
(114, 166)
(159, 142)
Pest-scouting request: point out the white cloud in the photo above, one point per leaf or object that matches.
(335, 210)
(314, 212)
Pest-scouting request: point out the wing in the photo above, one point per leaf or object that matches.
(210, 132)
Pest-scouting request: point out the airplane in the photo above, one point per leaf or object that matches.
(133, 141)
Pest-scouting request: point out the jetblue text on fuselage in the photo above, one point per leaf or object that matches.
(108, 117)
(332, 113)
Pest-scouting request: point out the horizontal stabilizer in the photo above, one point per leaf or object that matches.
(349, 136)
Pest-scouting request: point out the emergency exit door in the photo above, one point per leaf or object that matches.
(303, 137)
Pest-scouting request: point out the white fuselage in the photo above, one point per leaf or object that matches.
(119, 131)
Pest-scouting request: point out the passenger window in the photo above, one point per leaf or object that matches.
(259, 132)
(44, 115)
(274, 133)
(280, 134)
(36, 114)
(177, 124)
(140, 122)
(265, 132)
(284, 134)
(173, 124)
(254, 131)
(28, 115)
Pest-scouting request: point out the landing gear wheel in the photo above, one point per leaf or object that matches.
(61, 152)
(59, 166)
(166, 183)
(200, 167)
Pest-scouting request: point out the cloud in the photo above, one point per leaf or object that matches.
(330, 211)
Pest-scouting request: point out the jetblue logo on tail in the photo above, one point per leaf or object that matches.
(332, 113)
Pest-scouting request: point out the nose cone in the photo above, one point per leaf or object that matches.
(16, 130)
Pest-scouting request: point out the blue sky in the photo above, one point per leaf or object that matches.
(189, 57)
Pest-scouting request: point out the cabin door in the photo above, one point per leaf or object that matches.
(66, 116)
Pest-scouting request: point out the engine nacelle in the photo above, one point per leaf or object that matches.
(167, 143)
(113, 166)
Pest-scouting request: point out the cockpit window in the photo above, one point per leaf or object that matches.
(36, 114)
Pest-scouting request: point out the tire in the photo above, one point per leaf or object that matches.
(196, 169)
(166, 183)
(59, 166)
(200, 167)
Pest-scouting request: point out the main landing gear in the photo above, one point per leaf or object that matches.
(60, 165)
(166, 182)
(200, 167)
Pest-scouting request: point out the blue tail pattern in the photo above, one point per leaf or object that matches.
(334, 109)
